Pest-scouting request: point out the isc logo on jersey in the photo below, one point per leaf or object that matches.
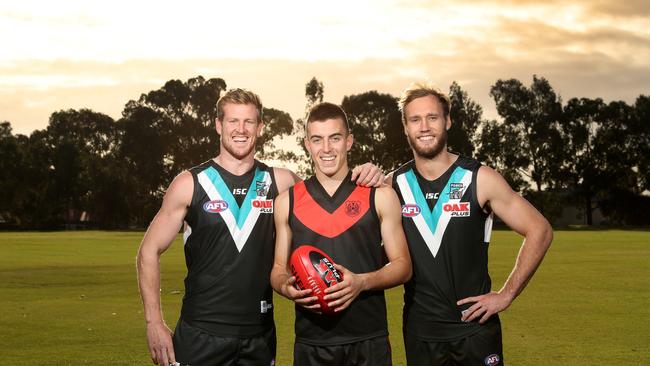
(265, 206)
(215, 206)
(410, 210)
(460, 209)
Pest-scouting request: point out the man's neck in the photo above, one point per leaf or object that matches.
(433, 168)
(234, 165)
(332, 183)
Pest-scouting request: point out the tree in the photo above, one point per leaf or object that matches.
(586, 145)
(314, 92)
(640, 134)
(82, 145)
(497, 150)
(466, 116)
(173, 128)
(376, 123)
(11, 163)
(277, 124)
(532, 116)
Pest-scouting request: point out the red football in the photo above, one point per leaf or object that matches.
(315, 270)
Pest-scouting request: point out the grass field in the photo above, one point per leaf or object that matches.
(71, 298)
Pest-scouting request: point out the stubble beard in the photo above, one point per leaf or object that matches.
(235, 153)
(433, 151)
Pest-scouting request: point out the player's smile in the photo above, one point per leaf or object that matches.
(328, 144)
(239, 129)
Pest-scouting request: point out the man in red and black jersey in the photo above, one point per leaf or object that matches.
(349, 223)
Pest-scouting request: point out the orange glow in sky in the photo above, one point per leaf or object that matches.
(82, 54)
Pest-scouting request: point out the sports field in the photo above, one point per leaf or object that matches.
(71, 298)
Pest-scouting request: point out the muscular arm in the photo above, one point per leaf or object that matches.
(524, 219)
(285, 178)
(159, 236)
(396, 272)
(281, 280)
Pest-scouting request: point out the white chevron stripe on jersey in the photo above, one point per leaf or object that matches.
(466, 180)
(433, 240)
(239, 236)
(418, 220)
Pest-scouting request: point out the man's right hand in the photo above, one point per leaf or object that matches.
(161, 347)
(300, 297)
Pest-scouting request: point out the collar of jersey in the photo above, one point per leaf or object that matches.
(431, 217)
(240, 213)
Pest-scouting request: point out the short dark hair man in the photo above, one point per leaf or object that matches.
(349, 223)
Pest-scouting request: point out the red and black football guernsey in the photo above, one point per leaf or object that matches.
(346, 227)
(229, 246)
(448, 235)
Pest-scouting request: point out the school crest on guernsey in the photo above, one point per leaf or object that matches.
(239, 220)
(352, 208)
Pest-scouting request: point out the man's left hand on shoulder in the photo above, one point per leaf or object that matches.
(485, 306)
(368, 175)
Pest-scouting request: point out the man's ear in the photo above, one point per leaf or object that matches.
(218, 126)
(260, 127)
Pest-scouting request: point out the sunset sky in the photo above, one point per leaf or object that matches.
(83, 54)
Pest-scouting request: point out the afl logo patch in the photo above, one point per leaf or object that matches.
(215, 206)
(410, 210)
(492, 360)
(352, 208)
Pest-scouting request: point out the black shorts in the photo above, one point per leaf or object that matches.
(194, 347)
(484, 348)
(371, 352)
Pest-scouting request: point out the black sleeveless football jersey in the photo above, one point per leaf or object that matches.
(229, 248)
(346, 227)
(448, 235)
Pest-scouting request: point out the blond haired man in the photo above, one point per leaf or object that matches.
(226, 208)
(448, 201)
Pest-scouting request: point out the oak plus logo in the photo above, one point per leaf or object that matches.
(265, 206)
(459, 209)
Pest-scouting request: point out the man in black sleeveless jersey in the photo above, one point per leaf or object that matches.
(450, 313)
(349, 223)
(226, 207)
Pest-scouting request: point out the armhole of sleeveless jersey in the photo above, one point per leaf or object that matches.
(274, 185)
(484, 214)
(190, 216)
(290, 211)
(373, 207)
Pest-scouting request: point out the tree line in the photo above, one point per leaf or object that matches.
(88, 169)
